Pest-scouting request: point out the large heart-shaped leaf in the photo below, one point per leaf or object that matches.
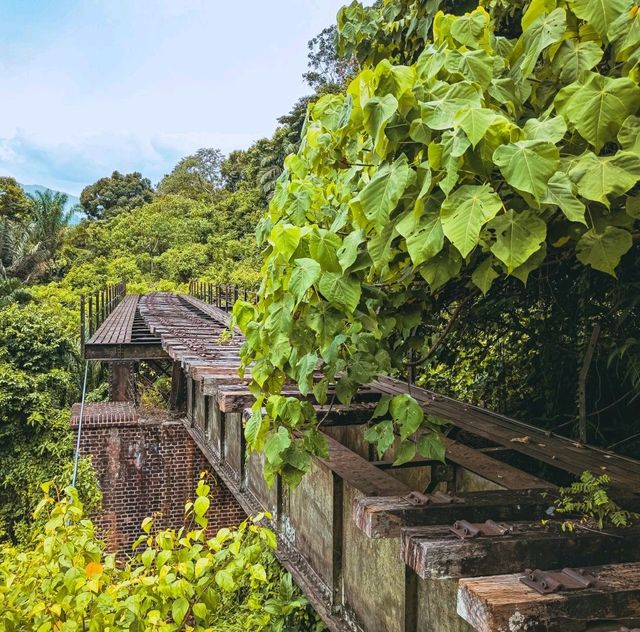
(475, 122)
(600, 178)
(542, 33)
(600, 14)
(340, 290)
(377, 112)
(528, 165)
(305, 273)
(518, 236)
(598, 108)
(603, 251)
(382, 194)
(465, 212)
(560, 193)
(575, 57)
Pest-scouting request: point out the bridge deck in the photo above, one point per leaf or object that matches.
(124, 335)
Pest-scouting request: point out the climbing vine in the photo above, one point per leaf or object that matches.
(468, 149)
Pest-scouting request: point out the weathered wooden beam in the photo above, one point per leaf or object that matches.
(491, 469)
(383, 517)
(360, 473)
(438, 553)
(545, 446)
(503, 602)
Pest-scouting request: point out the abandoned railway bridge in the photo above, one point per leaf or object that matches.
(427, 546)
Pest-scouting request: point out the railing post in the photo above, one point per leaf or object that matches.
(82, 336)
(90, 322)
(235, 295)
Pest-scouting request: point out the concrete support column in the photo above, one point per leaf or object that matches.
(178, 387)
(119, 381)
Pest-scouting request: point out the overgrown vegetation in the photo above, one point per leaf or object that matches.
(466, 209)
(182, 579)
(587, 503)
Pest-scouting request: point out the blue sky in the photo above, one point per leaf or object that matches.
(89, 86)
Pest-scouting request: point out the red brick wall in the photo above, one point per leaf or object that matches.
(146, 465)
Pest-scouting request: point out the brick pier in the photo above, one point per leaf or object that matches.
(145, 465)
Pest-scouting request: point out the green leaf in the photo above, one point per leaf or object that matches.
(406, 452)
(179, 609)
(439, 113)
(542, 33)
(305, 273)
(285, 239)
(523, 271)
(470, 29)
(528, 165)
(600, 14)
(575, 57)
(342, 291)
(484, 275)
(201, 506)
(475, 122)
(431, 446)
(382, 194)
(276, 444)
(441, 268)
(224, 579)
(348, 252)
(304, 372)
(629, 134)
(407, 414)
(551, 130)
(518, 236)
(200, 610)
(377, 112)
(381, 435)
(560, 193)
(598, 108)
(323, 247)
(427, 240)
(603, 251)
(465, 212)
(473, 65)
(599, 178)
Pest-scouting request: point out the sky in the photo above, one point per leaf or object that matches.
(91, 86)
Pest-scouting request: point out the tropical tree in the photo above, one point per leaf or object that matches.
(115, 194)
(198, 176)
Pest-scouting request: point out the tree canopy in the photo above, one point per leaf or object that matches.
(112, 195)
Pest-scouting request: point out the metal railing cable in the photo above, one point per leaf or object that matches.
(76, 457)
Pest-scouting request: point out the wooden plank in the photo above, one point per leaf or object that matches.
(504, 603)
(538, 444)
(116, 329)
(438, 553)
(384, 517)
(491, 469)
(359, 473)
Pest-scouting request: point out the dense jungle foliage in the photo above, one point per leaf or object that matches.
(465, 211)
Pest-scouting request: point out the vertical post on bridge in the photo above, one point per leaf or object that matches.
(82, 324)
(90, 316)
